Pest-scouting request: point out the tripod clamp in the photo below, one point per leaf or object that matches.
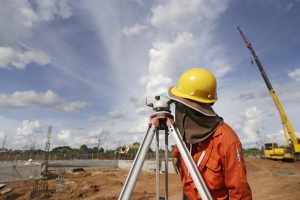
(161, 120)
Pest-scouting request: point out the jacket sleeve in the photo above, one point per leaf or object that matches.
(176, 152)
(235, 173)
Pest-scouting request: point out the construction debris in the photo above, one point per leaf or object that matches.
(39, 190)
(60, 181)
(77, 170)
(2, 186)
(5, 191)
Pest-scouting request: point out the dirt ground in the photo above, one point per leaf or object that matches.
(268, 180)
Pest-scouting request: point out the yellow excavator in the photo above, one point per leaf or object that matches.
(124, 150)
(291, 150)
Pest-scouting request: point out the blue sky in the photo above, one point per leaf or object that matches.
(86, 67)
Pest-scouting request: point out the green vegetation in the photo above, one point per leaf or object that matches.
(252, 152)
(84, 152)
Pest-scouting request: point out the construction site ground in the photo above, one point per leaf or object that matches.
(268, 180)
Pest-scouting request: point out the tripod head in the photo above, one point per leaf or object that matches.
(159, 103)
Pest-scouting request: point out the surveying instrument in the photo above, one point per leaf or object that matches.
(162, 119)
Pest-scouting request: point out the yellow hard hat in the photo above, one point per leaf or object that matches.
(196, 84)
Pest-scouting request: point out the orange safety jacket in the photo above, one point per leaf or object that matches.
(221, 164)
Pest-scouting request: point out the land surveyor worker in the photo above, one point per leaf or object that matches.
(214, 146)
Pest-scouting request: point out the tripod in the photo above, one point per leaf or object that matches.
(162, 119)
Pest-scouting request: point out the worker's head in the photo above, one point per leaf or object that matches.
(196, 89)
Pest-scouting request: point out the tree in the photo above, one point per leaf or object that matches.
(136, 144)
(101, 150)
(94, 150)
(84, 147)
(150, 150)
(61, 149)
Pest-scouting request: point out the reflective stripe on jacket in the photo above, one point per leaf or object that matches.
(221, 164)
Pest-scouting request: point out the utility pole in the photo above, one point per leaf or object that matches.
(259, 148)
(98, 149)
(258, 139)
(47, 146)
(46, 154)
(4, 143)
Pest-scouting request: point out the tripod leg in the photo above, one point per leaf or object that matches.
(137, 165)
(166, 164)
(193, 170)
(157, 165)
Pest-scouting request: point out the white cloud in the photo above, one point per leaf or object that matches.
(96, 119)
(76, 138)
(277, 137)
(69, 106)
(248, 124)
(169, 58)
(156, 84)
(26, 136)
(19, 59)
(215, 59)
(96, 133)
(111, 115)
(116, 114)
(140, 127)
(30, 98)
(19, 18)
(140, 111)
(133, 30)
(165, 58)
(181, 14)
(282, 6)
(64, 135)
(29, 128)
(295, 74)
(48, 10)
(2, 135)
(268, 122)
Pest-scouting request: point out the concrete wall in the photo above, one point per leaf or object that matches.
(82, 163)
(149, 165)
(27, 170)
(10, 172)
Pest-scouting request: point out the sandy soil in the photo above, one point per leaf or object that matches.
(268, 180)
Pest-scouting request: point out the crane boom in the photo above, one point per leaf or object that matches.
(260, 67)
(284, 119)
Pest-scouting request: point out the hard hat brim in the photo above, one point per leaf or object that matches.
(203, 108)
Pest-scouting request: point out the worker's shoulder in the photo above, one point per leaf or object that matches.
(226, 134)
